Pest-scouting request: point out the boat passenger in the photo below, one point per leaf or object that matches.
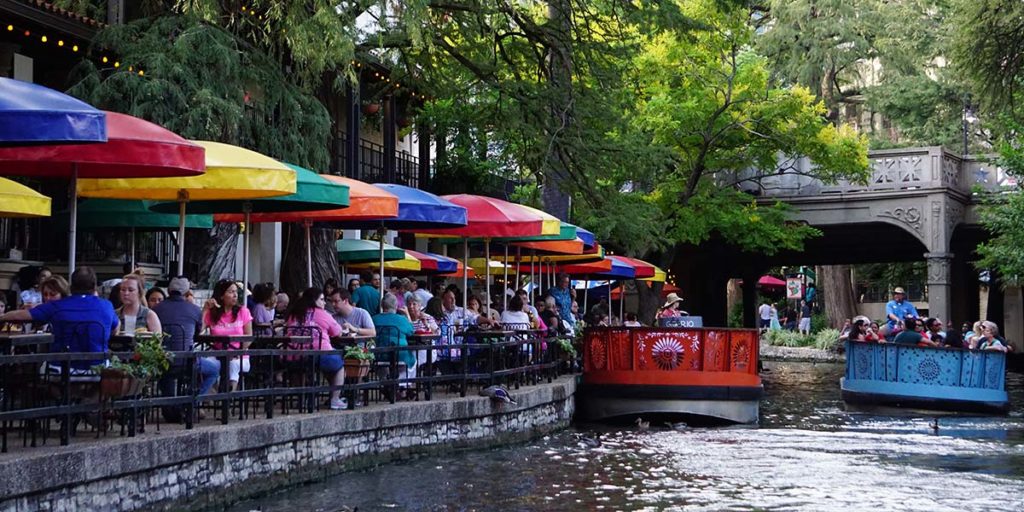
(631, 320)
(671, 307)
(990, 339)
(857, 332)
(910, 334)
(973, 338)
(934, 331)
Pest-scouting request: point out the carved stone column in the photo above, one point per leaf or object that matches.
(939, 265)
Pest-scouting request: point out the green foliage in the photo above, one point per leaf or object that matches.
(204, 83)
(784, 338)
(362, 352)
(826, 339)
(926, 111)
(149, 360)
(736, 315)
(819, 322)
(988, 48)
(566, 344)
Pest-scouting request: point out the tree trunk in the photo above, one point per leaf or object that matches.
(215, 253)
(649, 295)
(837, 289)
(560, 67)
(293, 259)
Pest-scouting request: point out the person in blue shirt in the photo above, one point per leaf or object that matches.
(564, 296)
(386, 319)
(367, 296)
(81, 322)
(899, 308)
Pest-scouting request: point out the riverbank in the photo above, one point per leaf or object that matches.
(217, 465)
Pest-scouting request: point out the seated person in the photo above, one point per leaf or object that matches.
(422, 322)
(872, 333)
(387, 320)
(990, 339)
(910, 335)
(353, 320)
(857, 332)
(308, 311)
(81, 322)
(182, 320)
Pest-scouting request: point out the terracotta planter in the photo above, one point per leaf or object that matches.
(371, 108)
(357, 369)
(116, 384)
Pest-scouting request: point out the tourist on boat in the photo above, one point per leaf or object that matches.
(934, 332)
(844, 333)
(857, 331)
(671, 307)
(899, 308)
(973, 337)
(912, 333)
(132, 314)
(872, 333)
(632, 321)
(990, 339)
(308, 311)
(224, 316)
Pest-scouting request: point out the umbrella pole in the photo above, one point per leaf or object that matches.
(465, 272)
(309, 255)
(504, 294)
(247, 209)
(73, 219)
(609, 302)
(182, 200)
(586, 288)
(622, 303)
(519, 281)
(380, 232)
(133, 249)
(487, 272)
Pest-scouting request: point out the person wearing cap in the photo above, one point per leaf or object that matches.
(671, 307)
(182, 320)
(899, 308)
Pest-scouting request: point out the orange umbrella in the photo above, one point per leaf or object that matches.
(366, 201)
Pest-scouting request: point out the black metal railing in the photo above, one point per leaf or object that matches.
(279, 378)
(371, 164)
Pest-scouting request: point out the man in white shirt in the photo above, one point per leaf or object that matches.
(765, 312)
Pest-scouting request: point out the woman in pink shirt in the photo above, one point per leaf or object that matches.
(308, 311)
(224, 316)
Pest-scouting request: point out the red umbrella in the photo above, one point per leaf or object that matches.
(767, 281)
(642, 268)
(134, 149)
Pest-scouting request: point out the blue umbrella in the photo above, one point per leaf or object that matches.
(445, 265)
(619, 270)
(417, 209)
(33, 114)
(588, 238)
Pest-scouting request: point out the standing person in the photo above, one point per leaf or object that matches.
(397, 288)
(308, 311)
(805, 318)
(353, 319)
(899, 308)
(367, 296)
(132, 314)
(353, 284)
(773, 323)
(187, 320)
(224, 316)
(564, 296)
(765, 313)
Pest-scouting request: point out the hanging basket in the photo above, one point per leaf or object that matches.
(371, 109)
(116, 384)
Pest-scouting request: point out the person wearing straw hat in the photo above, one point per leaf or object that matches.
(899, 308)
(671, 307)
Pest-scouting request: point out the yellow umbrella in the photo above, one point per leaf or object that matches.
(232, 173)
(408, 263)
(659, 276)
(477, 264)
(17, 200)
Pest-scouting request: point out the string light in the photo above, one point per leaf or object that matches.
(74, 48)
(10, 28)
(43, 38)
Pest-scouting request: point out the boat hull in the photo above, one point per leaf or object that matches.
(688, 403)
(924, 378)
(705, 375)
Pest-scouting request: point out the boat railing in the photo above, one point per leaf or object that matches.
(661, 349)
(910, 364)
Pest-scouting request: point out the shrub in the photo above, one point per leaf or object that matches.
(736, 315)
(786, 339)
(827, 339)
(819, 321)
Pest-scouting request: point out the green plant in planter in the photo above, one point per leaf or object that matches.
(567, 346)
(148, 361)
(361, 352)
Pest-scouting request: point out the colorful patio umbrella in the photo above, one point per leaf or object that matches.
(445, 265)
(355, 251)
(134, 149)
(132, 215)
(232, 173)
(641, 269)
(408, 264)
(17, 200)
(658, 277)
(312, 193)
(767, 281)
(33, 114)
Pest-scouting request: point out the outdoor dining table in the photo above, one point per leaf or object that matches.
(347, 340)
(9, 342)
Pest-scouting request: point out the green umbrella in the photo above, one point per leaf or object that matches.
(134, 215)
(312, 193)
(365, 251)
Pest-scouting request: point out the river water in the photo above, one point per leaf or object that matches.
(806, 454)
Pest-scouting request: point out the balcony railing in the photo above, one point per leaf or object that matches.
(371, 164)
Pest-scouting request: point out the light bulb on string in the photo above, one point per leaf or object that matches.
(43, 39)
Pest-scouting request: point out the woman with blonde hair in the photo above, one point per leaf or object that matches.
(132, 314)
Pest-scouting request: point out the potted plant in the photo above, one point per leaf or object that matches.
(357, 360)
(370, 109)
(148, 362)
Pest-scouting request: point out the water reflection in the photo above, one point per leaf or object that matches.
(807, 454)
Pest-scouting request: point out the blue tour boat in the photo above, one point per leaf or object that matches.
(929, 378)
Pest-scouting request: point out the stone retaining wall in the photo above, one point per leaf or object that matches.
(217, 465)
